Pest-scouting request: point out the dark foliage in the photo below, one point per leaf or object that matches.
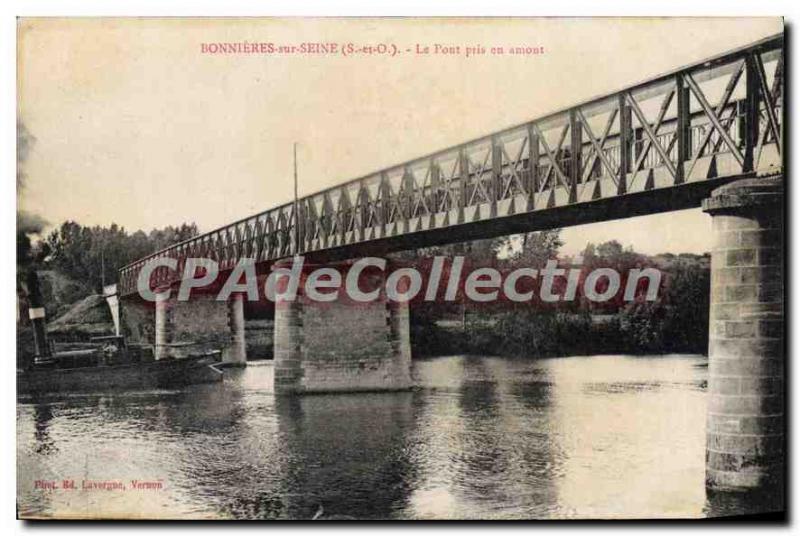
(677, 322)
(94, 254)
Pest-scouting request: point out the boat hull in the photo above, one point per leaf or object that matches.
(169, 373)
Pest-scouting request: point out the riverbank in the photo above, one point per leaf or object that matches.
(525, 334)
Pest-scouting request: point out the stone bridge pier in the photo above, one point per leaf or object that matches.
(745, 416)
(341, 345)
(177, 328)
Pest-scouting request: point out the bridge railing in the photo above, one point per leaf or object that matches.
(721, 116)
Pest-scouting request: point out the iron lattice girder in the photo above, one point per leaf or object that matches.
(775, 93)
(723, 102)
(549, 169)
(597, 147)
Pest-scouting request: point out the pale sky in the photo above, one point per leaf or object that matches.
(133, 125)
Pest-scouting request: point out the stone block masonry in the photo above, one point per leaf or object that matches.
(745, 422)
(137, 319)
(342, 346)
(180, 328)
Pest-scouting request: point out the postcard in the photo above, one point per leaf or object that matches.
(400, 268)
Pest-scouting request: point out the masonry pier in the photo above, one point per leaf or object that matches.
(137, 319)
(177, 328)
(342, 345)
(745, 421)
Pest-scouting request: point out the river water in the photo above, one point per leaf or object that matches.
(480, 437)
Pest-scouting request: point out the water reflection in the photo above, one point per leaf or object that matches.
(349, 453)
(632, 433)
(723, 503)
(610, 436)
(42, 415)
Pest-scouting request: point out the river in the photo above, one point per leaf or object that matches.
(480, 437)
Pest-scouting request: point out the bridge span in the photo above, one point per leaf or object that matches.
(708, 134)
(657, 146)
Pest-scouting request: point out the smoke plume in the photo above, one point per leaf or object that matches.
(30, 223)
(24, 142)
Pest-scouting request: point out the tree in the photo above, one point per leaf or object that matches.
(538, 247)
(94, 254)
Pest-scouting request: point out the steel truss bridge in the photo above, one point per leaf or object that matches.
(660, 145)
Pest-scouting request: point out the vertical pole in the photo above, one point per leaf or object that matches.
(684, 128)
(463, 172)
(407, 198)
(750, 113)
(495, 185)
(436, 181)
(576, 142)
(624, 144)
(533, 162)
(296, 206)
(385, 192)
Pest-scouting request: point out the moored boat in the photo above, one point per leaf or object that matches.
(90, 370)
(106, 363)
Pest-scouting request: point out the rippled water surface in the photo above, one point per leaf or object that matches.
(603, 436)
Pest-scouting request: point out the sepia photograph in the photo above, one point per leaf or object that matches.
(401, 268)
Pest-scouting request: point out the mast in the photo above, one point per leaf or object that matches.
(296, 207)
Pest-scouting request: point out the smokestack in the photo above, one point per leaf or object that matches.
(38, 322)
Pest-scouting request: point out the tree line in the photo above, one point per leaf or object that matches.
(676, 322)
(92, 255)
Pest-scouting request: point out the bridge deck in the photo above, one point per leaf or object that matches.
(656, 146)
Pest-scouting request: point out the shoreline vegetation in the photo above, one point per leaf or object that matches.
(676, 322)
(544, 335)
(74, 261)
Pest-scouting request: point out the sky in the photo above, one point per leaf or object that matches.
(132, 124)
